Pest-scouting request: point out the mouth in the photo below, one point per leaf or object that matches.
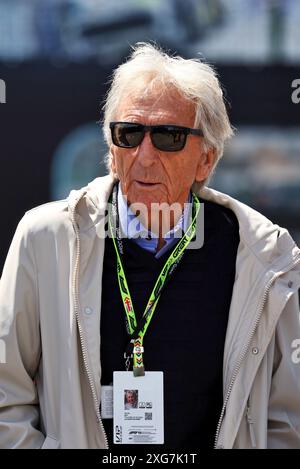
(146, 184)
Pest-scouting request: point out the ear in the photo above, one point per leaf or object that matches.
(113, 159)
(205, 165)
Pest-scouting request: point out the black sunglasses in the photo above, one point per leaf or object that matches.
(163, 137)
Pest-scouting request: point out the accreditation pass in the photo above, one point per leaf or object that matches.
(138, 408)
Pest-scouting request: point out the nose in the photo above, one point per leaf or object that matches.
(146, 152)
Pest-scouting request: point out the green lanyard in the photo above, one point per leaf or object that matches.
(136, 330)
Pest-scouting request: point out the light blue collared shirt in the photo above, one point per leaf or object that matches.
(133, 229)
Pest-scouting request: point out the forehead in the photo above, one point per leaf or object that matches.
(157, 101)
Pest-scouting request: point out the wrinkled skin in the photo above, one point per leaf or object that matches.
(149, 175)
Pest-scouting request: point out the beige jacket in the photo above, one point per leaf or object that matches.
(50, 297)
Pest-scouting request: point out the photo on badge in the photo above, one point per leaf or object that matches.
(130, 399)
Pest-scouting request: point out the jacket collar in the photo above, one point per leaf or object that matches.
(268, 242)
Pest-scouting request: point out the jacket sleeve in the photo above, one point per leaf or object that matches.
(284, 404)
(19, 345)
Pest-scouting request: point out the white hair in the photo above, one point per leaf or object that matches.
(194, 80)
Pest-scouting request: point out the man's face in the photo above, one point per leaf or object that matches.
(150, 175)
(130, 398)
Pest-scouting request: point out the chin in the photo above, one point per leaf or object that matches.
(147, 197)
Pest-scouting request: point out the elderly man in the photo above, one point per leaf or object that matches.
(109, 290)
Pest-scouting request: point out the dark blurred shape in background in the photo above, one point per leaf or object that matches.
(56, 57)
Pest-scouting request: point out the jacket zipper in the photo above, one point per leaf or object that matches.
(245, 349)
(76, 302)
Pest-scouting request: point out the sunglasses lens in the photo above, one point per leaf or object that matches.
(127, 135)
(164, 137)
(168, 138)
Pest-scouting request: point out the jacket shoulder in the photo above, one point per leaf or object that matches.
(51, 216)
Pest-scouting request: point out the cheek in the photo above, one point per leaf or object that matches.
(181, 173)
(189, 168)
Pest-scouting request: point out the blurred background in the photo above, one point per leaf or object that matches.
(56, 58)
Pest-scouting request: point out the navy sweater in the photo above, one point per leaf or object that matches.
(186, 336)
